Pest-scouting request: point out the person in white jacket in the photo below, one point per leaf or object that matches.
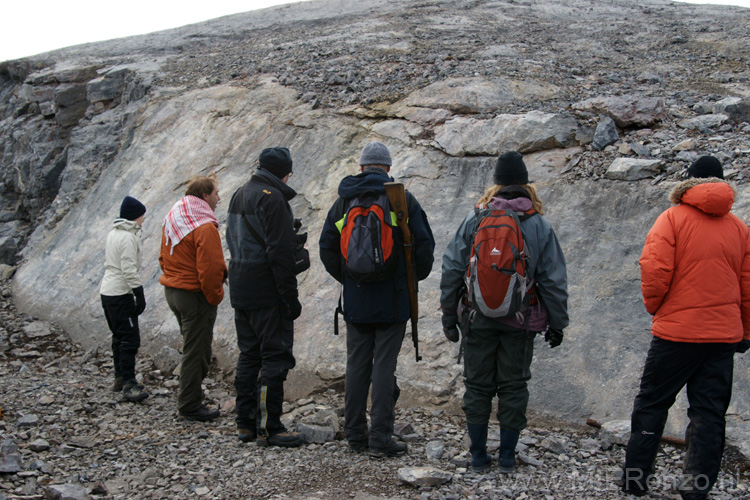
(122, 295)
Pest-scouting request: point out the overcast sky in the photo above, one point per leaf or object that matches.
(33, 27)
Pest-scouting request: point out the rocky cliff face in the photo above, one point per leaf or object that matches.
(608, 100)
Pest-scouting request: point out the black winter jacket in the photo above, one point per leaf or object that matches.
(386, 301)
(261, 277)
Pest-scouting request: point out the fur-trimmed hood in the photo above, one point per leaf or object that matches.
(711, 195)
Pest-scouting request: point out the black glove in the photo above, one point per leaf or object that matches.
(743, 346)
(450, 328)
(554, 337)
(292, 309)
(140, 300)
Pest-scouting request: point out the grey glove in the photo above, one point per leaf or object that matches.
(742, 346)
(553, 336)
(450, 328)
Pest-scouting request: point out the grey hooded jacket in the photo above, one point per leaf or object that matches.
(545, 258)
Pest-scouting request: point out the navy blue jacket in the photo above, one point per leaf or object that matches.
(261, 277)
(384, 301)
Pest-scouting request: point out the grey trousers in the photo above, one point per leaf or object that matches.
(196, 318)
(372, 353)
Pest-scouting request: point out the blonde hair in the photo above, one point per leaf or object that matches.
(493, 191)
(201, 185)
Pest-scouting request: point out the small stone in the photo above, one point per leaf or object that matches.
(10, 459)
(529, 460)
(434, 449)
(554, 445)
(39, 445)
(28, 421)
(67, 492)
(424, 476)
(37, 329)
(616, 431)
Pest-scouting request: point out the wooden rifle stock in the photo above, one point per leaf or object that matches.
(397, 197)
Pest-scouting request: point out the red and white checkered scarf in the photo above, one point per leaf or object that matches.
(186, 215)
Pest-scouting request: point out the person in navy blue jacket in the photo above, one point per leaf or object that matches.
(375, 312)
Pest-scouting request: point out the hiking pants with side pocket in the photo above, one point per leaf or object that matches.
(196, 318)
(119, 310)
(707, 370)
(497, 361)
(265, 340)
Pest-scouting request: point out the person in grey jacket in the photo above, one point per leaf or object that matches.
(122, 295)
(498, 352)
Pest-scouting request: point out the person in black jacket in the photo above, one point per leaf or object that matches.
(375, 312)
(263, 292)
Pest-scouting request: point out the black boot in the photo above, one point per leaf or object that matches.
(480, 460)
(506, 456)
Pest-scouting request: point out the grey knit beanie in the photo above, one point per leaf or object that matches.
(375, 153)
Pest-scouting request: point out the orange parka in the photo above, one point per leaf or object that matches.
(195, 264)
(695, 267)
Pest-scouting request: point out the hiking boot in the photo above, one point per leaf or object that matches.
(284, 439)
(133, 391)
(202, 414)
(358, 446)
(480, 460)
(506, 455)
(392, 449)
(246, 435)
(117, 386)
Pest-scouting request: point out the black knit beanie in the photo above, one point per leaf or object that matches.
(131, 208)
(706, 166)
(278, 161)
(511, 170)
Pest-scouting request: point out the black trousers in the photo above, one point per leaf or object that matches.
(371, 357)
(707, 370)
(265, 340)
(119, 310)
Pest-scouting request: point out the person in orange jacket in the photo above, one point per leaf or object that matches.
(695, 280)
(192, 260)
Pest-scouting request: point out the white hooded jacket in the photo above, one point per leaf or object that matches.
(122, 259)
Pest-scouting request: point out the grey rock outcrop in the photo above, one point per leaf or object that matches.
(82, 127)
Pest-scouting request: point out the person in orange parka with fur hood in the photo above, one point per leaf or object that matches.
(695, 280)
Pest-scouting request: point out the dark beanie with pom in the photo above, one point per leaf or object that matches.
(131, 208)
(706, 166)
(511, 170)
(278, 161)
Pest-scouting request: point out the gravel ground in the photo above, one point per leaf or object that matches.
(70, 429)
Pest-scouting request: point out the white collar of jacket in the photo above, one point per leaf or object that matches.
(126, 225)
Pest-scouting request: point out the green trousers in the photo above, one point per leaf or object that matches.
(196, 318)
(497, 361)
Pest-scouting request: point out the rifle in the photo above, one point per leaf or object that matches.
(397, 197)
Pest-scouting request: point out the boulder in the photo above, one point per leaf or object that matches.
(525, 133)
(627, 111)
(632, 169)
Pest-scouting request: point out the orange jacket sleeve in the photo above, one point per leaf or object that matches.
(745, 289)
(657, 263)
(209, 259)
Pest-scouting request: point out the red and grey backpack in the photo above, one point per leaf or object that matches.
(367, 242)
(497, 279)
